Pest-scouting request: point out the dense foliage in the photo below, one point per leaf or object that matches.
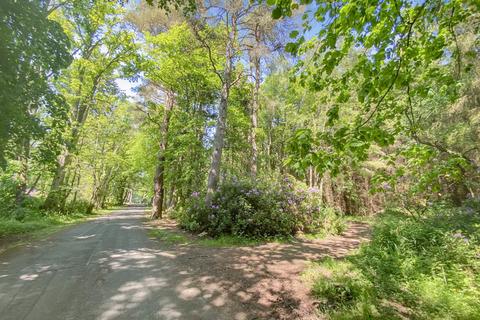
(34, 49)
(245, 208)
(422, 267)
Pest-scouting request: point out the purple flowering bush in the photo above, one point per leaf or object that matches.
(258, 209)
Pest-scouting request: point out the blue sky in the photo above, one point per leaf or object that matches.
(127, 87)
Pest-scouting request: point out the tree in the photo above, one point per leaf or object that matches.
(101, 46)
(263, 37)
(102, 157)
(176, 69)
(397, 49)
(33, 50)
(230, 16)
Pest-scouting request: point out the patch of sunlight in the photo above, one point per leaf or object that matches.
(130, 295)
(28, 277)
(85, 237)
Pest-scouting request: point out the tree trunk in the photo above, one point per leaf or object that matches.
(327, 191)
(170, 199)
(128, 196)
(158, 180)
(77, 184)
(214, 173)
(310, 176)
(54, 198)
(23, 174)
(100, 192)
(255, 105)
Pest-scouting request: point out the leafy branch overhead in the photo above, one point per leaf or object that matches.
(393, 49)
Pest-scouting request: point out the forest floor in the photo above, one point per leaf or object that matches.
(113, 268)
(265, 280)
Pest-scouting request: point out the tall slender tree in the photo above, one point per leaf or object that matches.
(176, 71)
(100, 45)
(230, 17)
(263, 37)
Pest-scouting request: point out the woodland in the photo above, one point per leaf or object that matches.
(259, 120)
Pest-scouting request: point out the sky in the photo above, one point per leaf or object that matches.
(127, 87)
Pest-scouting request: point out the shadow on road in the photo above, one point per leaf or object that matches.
(109, 269)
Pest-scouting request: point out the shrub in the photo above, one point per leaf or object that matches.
(33, 203)
(427, 267)
(78, 207)
(345, 287)
(258, 209)
(8, 189)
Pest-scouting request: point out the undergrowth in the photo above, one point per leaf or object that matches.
(32, 218)
(424, 267)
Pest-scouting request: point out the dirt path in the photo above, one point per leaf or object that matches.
(264, 280)
(109, 269)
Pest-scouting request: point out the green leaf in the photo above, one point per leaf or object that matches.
(277, 13)
(291, 47)
(333, 115)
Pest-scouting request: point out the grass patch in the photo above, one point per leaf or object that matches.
(413, 268)
(315, 236)
(239, 241)
(364, 219)
(229, 241)
(331, 226)
(322, 234)
(339, 287)
(33, 221)
(169, 236)
(10, 227)
(224, 241)
(36, 225)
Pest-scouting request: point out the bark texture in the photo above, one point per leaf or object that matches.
(159, 178)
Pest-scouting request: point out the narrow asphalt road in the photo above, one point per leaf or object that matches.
(104, 269)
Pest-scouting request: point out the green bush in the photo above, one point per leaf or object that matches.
(345, 287)
(245, 208)
(427, 267)
(13, 227)
(30, 218)
(8, 189)
(34, 203)
(78, 207)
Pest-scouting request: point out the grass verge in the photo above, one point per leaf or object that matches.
(413, 268)
(36, 225)
(225, 241)
(169, 237)
(174, 237)
(237, 241)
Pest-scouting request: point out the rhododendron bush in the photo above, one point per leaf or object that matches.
(259, 209)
